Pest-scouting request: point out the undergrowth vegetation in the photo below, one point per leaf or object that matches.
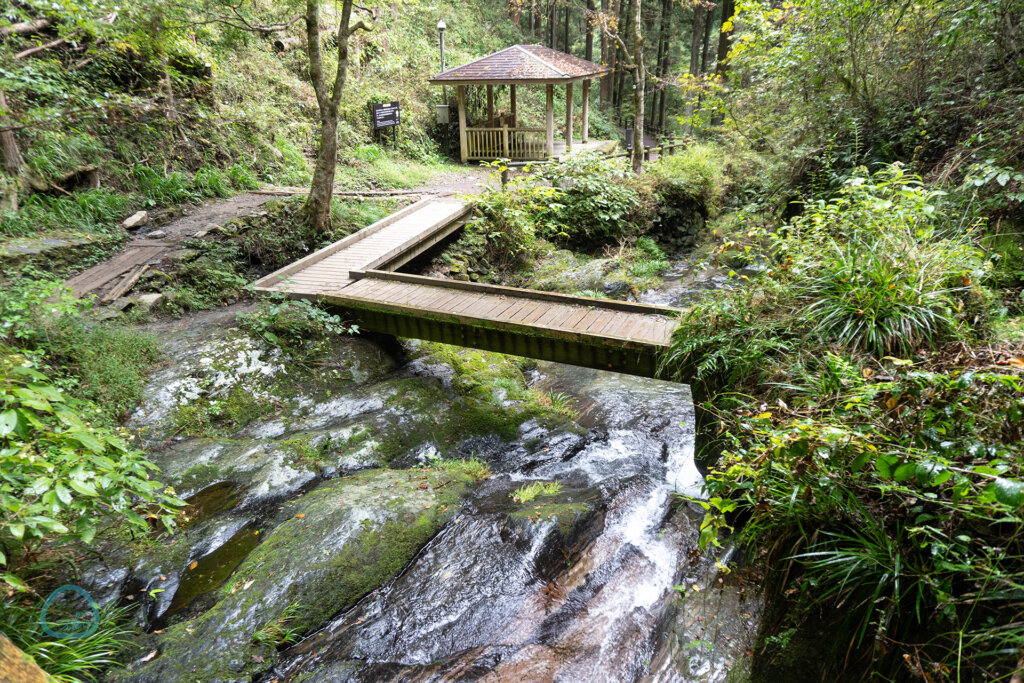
(867, 382)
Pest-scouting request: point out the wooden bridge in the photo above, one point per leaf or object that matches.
(356, 275)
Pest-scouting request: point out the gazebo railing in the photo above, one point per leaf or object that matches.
(520, 144)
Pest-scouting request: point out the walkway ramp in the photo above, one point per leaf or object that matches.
(354, 276)
(389, 243)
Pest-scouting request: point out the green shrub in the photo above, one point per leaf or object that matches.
(598, 199)
(161, 189)
(697, 172)
(104, 363)
(897, 495)
(243, 178)
(62, 474)
(292, 323)
(87, 211)
(648, 260)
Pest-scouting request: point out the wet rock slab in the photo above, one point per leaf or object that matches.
(331, 547)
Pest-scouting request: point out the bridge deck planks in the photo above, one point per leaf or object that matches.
(593, 321)
(344, 275)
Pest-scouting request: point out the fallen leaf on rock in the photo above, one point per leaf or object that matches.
(150, 657)
(194, 564)
(300, 516)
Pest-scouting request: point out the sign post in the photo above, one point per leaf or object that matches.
(386, 115)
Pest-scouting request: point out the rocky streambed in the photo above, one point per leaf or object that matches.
(360, 516)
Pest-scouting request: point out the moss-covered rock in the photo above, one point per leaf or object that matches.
(333, 545)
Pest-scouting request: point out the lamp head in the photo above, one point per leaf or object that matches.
(441, 26)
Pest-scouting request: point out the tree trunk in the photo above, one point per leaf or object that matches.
(639, 77)
(666, 58)
(705, 56)
(724, 38)
(621, 81)
(696, 41)
(588, 49)
(23, 27)
(565, 32)
(659, 88)
(515, 11)
(724, 45)
(605, 96)
(551, 25)
(317, 209)
(12, 161)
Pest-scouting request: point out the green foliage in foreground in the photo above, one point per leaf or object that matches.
(878, 268)
(887, 492)
(67, 660)
(102, 363)
(61, 473)
(896, 491)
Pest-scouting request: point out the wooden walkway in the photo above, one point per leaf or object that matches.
(113, 278)
(356, 276)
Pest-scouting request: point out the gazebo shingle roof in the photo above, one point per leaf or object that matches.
(524, 63)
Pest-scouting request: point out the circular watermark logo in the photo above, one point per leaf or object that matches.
(73, 623)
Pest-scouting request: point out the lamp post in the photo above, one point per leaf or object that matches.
(441, 26)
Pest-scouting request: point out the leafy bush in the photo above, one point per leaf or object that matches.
(210, 181)
(899, 494)
(86, 211)
(877, 268)
(293, 323)
(505, 228)
(243, 178)
(104, 363)
(597, 201)
(697, 172)
(61, 473)
(160, 189)
(648, 259)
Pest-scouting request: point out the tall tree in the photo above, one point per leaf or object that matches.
(317, 209)
(588, 48)
(565, 33)
(724, 45)
(607, 53)
(725, 36)
(632, 61)
(696, 43)
(551, 24)
(12, 161)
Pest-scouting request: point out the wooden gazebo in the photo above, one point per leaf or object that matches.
(500, 137)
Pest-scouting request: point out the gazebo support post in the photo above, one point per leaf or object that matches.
(549, 120)
(490, 105)
(568, 117)
(586, 110)
(463, 152)
(512, 104)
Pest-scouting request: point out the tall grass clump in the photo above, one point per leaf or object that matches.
(877, 268)
(88, 211)
(104, 363)
(67, 660)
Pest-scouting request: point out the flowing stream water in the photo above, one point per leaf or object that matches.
(602, 581)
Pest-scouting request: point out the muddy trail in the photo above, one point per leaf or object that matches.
(158, 237)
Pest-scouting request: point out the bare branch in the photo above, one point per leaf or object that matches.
(23, 27)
